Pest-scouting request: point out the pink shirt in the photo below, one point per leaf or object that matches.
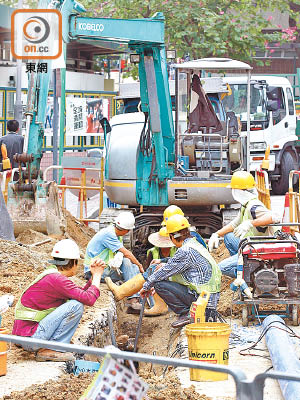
(52, 291)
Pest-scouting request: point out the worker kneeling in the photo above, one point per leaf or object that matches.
(192, 270)
(180, 281)
(52, 305)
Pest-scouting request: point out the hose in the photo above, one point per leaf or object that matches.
(145, 138)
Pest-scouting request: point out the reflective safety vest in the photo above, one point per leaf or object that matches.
(106, 255)
(29, 314)
(246, 216)
(214, 283)
(156, 253)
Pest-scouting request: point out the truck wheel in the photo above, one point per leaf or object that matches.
(287, 164)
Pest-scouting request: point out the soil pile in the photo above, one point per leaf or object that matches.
(69, 387)
(78, 231)
(169, 388)
(16, 256)
(35, 241)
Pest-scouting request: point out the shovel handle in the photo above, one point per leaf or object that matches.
(139, 325)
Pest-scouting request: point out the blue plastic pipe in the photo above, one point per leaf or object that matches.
(283, 356)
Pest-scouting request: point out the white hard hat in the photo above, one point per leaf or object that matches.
(125, 220)
(65, 249)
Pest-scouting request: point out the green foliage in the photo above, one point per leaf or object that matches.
(14, 3)
(204, 28)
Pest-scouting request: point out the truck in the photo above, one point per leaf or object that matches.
(275, 127)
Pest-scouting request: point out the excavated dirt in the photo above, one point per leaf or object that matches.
(224, 305)
(78, 231)
(71, 387)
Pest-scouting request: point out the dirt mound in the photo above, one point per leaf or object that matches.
(67, 388)
(15, 256)
(169, 388)
(78, 231)
(36, 239)
(71, 387)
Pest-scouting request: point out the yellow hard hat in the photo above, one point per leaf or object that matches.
(171, 210)
(176, 223)
(242, 180)
(163, 232)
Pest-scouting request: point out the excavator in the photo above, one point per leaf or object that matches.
(143, 167)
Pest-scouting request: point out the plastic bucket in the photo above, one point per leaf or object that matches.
(3, 353)
(209, 343)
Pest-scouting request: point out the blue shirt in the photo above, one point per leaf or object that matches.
(104, 239)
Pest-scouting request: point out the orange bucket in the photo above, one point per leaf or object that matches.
(3, 353)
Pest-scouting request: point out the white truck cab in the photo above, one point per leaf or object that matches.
(272, 123)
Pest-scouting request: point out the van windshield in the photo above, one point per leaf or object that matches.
(237, 102)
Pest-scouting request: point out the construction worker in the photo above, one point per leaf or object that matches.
(13, 141)
(106, 245)
(51, 307)
(163, 247)
(252, 220)
(173, 210)
(191, 270)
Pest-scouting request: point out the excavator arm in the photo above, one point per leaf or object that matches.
(156, 160)
(28, 198)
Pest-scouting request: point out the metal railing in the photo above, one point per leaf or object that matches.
(82, 198)
(245, 389)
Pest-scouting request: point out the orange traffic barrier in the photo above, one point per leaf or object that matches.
(286, 213)
(263, 187)
(3, 353)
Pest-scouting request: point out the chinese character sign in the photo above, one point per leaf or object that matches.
(76, 119)
(84, 115)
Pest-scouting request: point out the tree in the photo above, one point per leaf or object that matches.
(206, 28)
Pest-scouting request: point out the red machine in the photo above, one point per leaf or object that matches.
(272, 272)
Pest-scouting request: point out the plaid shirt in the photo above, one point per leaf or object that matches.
(191, 265)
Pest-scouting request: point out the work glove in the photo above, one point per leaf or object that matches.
(116, 262)
(213, 242)
(6, 301)
(241, 230)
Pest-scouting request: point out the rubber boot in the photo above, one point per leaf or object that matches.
(159, 308)
(128, 288)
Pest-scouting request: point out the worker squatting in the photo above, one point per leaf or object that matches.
(179, 267)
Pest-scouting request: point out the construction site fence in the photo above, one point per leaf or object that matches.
(245, 389)
(263, 187)
(82, 198)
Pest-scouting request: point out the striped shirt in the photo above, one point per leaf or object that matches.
(191, 265)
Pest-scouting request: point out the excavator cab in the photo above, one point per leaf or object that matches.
(210, 139)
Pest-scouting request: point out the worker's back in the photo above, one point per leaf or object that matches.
(14, 145)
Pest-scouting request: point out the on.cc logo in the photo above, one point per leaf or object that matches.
(36, 29)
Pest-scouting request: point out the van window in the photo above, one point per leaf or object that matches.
(290, 101)
(281, 111)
